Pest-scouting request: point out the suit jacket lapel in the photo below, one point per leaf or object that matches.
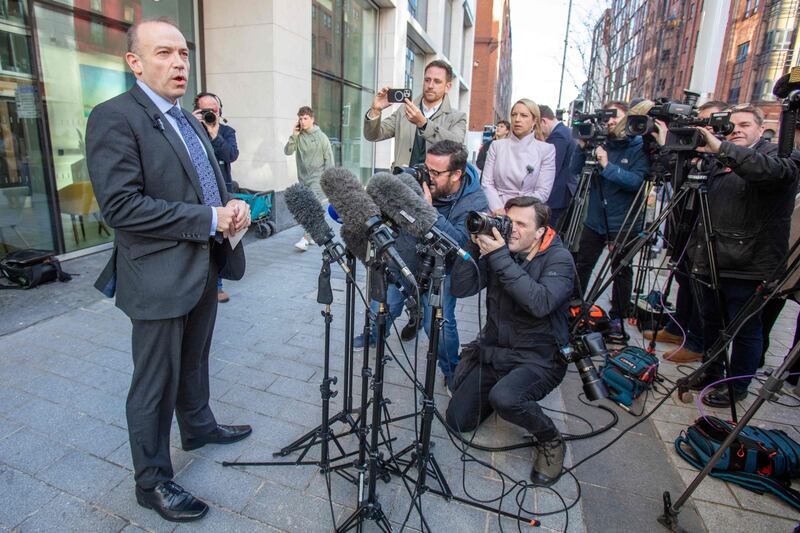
(172, 137)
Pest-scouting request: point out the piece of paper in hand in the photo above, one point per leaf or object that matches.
(235, 238)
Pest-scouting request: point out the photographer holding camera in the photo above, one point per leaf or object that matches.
(622, 166)
(515, 361)
(208, 111)
(751, 195)
(417, 125)
(454, 193)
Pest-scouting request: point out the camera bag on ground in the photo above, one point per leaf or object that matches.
(628, 373)
(30, 268)
(761, 460)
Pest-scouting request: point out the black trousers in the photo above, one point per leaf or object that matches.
(512, 394)
(590, 249)
(170, 375)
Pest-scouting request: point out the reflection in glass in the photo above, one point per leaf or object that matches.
(326, 96)
(13, 11)
(326, 42)
(356, 155)
(360, 32)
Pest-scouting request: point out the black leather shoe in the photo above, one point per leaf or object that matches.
(221, 435)
(719, 396)
(702, 381)
(173, 503)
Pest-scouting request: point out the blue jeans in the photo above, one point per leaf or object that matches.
(448, 340)
(747, 344)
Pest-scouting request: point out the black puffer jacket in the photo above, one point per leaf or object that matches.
(526, 301)
(751, 197)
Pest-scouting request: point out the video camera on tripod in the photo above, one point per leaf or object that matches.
(592, 128)
(682, 120)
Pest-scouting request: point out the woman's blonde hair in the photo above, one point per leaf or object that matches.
(537, 116)
(640, 108)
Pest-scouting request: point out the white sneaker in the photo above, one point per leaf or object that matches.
(302, 244)
(310, 240)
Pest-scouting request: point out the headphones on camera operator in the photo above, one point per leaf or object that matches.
(209, 116)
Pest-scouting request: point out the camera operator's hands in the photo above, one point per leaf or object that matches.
(712, 143)
(660, 135)
(427, 192)
(602, 156)
(414, 114)
(212, 129)
(379, 102)
(489, 243)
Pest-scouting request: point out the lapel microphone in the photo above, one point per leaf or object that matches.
(157, 123)
(529, 168)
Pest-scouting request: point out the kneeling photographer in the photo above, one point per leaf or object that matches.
(623, 164)
(751, 195)
(528, 275)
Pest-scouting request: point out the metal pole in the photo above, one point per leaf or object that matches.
(564, 58)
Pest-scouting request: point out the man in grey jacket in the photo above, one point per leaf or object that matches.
(418, 125)
(313, 154)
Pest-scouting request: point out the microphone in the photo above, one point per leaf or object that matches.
(307, 211)
(358, 211)
(529, 168)
(412, 213)
(157, 122)
(410, 182)
(787, 83)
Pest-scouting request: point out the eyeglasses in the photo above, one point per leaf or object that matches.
(436, 173)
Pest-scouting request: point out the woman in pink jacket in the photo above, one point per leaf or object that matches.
(522, 164)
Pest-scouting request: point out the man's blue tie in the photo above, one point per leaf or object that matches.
(208, 182)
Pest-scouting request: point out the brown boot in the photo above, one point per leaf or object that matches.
(682, 355)
(663, 336)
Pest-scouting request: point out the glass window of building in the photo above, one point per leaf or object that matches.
(81, 63)
(419, 10)
(341, 91)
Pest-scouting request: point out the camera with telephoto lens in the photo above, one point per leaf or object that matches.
(592, 128)
(481, 223)
(580, 352)
(209, 117)
(418, 172)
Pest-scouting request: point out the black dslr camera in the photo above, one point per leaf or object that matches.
(418, 172)
(209, 117)
(481, 223)
(592, 127)
(580, 352)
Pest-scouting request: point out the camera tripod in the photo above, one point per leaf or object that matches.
(692, 199)
(569, 226)
(770, 389)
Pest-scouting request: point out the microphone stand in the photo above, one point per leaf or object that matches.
(322, 434)
(345, 416)
(369, 508)
(422, 450)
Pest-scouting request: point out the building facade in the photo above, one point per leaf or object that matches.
(264, 58)
(491, 70)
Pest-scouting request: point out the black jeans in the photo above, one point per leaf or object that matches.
(747, 344)
(687, 313)
(512, 394)
(589, 251)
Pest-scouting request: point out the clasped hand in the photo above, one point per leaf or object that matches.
(233, 218)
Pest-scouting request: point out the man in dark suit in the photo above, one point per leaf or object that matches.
(564, 185)
(159, 186)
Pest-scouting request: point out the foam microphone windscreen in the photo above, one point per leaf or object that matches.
(411, 183)
(397, 201)
(307, 211)
(348, 197)
(355, 239)
(787, 83)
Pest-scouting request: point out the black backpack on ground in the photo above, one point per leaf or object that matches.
(30, 268)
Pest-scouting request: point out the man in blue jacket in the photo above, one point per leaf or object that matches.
(622, 165)
(454, 192)
(564, 185)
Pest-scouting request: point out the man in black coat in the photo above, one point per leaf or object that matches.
(223, 137)
(159, 186)
(751, 195)
(566, 181)
(515, 362)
